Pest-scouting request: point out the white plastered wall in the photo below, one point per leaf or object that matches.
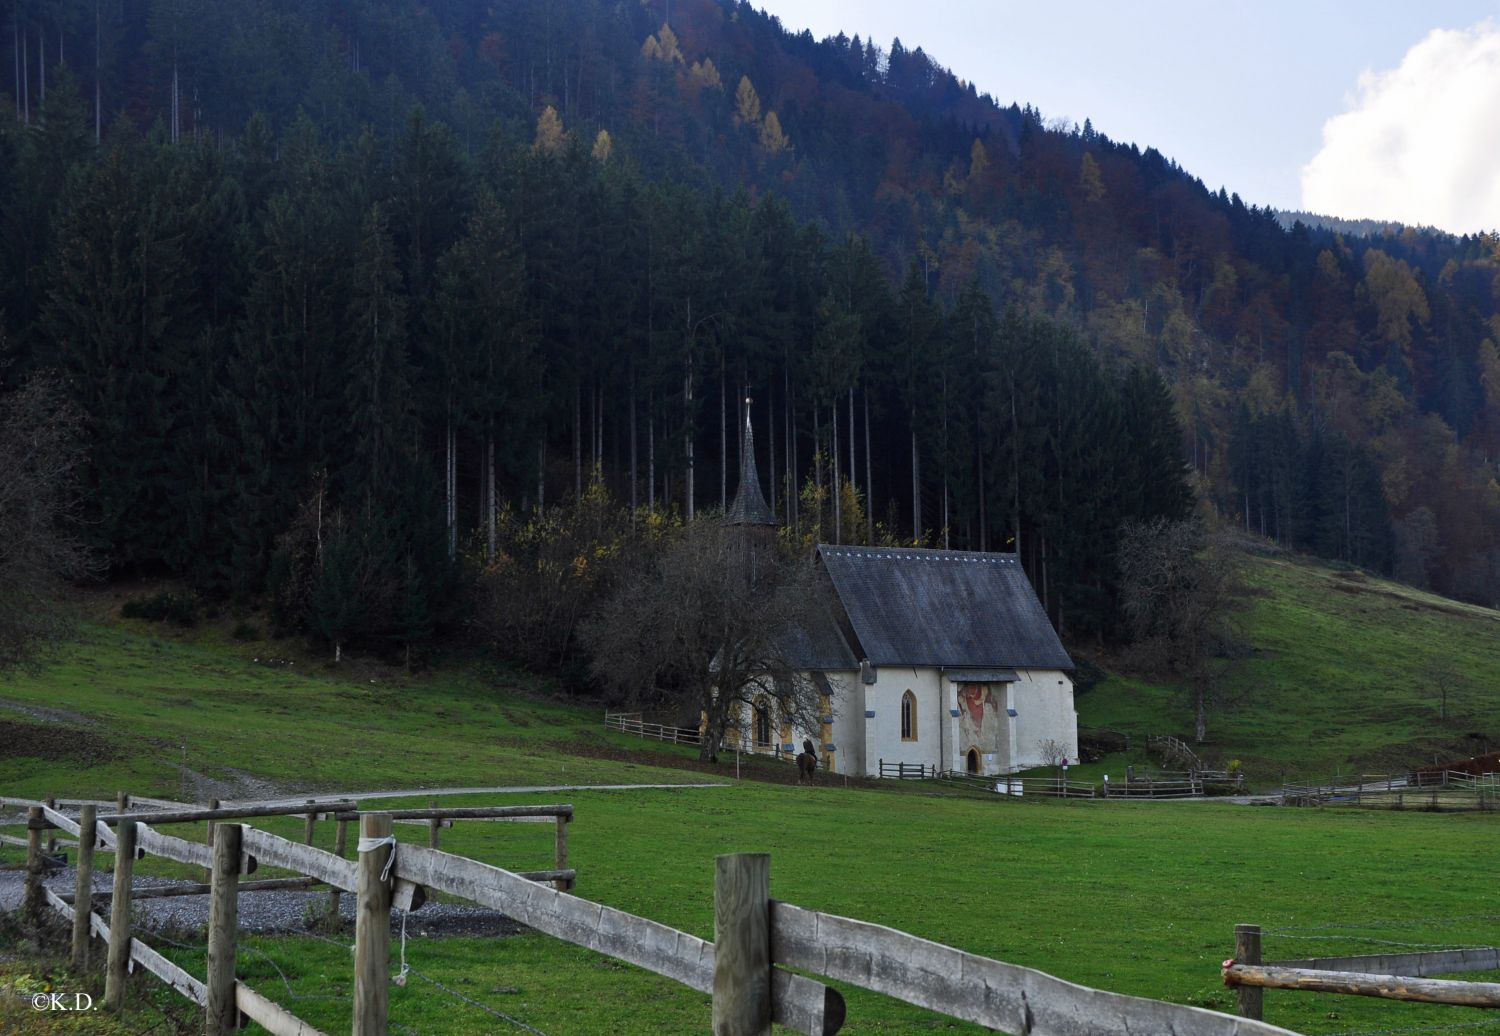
(1043, 700)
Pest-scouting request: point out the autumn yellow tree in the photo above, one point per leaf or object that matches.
(603, 146)
(705, 74)
(549, 132)
(771, 136)
(668, 48)
(1397, 297)
(1090, 183)
(746, 103)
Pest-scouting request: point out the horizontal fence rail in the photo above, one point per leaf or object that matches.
(907, 771)
(1020, 787)
(745, 970)
(1388, 987)
(631, 723)
(977, 989)
(241, 851)
(1440, 790)
(1413, 965)
(1389, 976)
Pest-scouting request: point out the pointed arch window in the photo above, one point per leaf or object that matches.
(762, 723)
(908, 717)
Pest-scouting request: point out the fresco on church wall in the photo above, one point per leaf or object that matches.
(980, 721)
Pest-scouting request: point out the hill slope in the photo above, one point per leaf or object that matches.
(1135, 897)
(1307, 368)
(1348, 672)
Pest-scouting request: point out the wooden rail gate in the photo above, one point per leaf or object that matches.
(1390, 976)
(745, 969)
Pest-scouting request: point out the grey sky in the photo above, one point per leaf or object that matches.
(1237, 94)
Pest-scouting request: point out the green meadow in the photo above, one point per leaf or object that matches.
(1134, 897)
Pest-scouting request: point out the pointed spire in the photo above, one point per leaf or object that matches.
(749, 506)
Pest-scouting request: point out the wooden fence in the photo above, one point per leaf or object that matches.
(743, 969)
(1174, 750)
(631, 723)
(1390, 976)
(1153, 784)
(906, 771)
(1444, 791)
(1020, 787)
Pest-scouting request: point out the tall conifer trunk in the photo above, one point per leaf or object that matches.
(869, 477)
(16, 48)
(853, 479)
(838, 484)
(634, 493)
(98, 117)
(790, 409)
(916, 482)
(453, 491)
(541, 476)
(946, 520)
(771, 435)
(490, 507)
(817, 465)
(687, 426)
(723, 441)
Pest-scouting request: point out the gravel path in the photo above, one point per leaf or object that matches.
(407, 793)
(286, 911)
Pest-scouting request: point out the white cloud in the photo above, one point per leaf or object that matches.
(1420, 144)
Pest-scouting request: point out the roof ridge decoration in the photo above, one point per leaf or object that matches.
(749, 506)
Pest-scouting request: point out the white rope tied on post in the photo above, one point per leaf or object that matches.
(367, 845)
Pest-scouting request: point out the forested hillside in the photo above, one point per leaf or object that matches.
(352, 291)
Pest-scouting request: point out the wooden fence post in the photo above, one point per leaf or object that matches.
(742, 945)
(35, 901)
(122, 801)
(83, 886)
(221, 1017)
(52, 834)
(208, 872)
(308, 824)
(434, 826)
(119, 916)
(1247, 951)
(340, 845)
(372, 929)
(560, 852)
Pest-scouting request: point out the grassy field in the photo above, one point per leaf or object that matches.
(1346, 674)
(1139, 898)
(1135, 897)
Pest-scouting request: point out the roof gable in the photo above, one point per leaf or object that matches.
(943, 608)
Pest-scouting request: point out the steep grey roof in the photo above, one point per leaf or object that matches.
(943, 608)
(749, 506)
(818, 648)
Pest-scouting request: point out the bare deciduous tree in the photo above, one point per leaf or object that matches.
(1178, 588)
(708, 624)
(1052, 751)
(41, 454)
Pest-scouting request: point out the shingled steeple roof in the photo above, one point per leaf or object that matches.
(749, 506)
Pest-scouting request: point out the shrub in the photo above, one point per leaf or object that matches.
(246, 631)
(180, 609)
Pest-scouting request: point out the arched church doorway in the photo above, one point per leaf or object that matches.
(971, 761)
